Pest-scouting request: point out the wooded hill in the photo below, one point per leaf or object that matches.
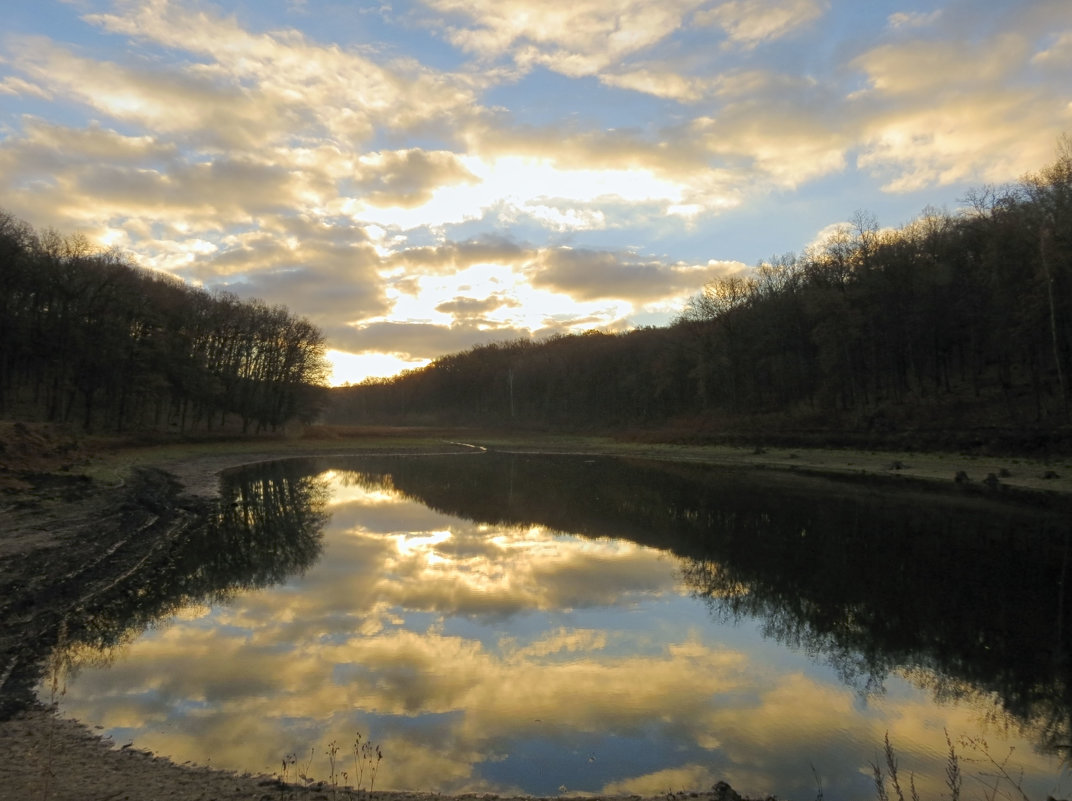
(89, 338)
(954, 321)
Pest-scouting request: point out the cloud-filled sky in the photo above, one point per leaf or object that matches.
(421, 176)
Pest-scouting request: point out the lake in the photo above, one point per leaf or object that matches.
(553, 624)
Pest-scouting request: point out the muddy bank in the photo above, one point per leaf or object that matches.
(72, 549)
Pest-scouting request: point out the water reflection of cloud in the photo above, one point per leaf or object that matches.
(377, 515)
(399, 632)
(420, 560)
(559, 641)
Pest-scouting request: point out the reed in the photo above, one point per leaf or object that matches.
(997, 778)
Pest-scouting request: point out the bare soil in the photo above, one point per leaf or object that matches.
(78, 515)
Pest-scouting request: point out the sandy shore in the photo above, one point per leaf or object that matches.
(45, 757)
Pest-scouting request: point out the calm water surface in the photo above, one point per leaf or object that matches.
(543, 625)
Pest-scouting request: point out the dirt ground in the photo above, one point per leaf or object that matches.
(78, 517)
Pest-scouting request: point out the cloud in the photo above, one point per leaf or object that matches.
(314, 293)
(753, 137)
(577, 182)
(452, 256)
(575, 39)
(750, 22)
(215, 114)
(939, 69)
(415, 340)
(558, 182)
(13, 86)
(1058, 54)
(325, 270)
(407, 178)
(95, 175)
(344, 94)
(936, 114)
(500, 291)
(973, 139)
(47, 145)
(913, 19)
(659, 82)
(463, 308)
(592, 275)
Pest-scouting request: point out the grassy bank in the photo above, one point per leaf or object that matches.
(27, 450)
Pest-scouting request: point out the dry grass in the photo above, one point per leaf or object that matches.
(41, 448)
(997, 778)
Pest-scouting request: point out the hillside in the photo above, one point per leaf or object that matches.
(954, 332)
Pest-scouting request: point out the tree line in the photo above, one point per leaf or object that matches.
(961, 318)
(89, 338)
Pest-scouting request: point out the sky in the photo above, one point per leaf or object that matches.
(418, 177)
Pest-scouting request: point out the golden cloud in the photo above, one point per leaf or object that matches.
(407, 178)
(936, 68)
(749, 22)
(660, 83)
(1058, 54)
(340, 92)
(163, 101)
(579, 38)
(996, 136)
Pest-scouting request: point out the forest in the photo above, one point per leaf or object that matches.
(90, 339)
(953, 321)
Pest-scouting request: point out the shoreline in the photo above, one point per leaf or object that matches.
(50, 756)
(197, 464)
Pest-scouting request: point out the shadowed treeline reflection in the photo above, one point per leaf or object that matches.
(266, 526)
(962, 595)
(269, 522)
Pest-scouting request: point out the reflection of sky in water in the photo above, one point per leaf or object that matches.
(485, 658)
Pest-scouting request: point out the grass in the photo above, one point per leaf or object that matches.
(366, 755)
(110, 459)
(58, 667)
(998, 779)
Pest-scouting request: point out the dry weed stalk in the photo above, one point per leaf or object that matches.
(367, 757)
(997, 778)
(58, 667)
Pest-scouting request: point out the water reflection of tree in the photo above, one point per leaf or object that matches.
(269, 524)
(964, 603)
(963, 597)
(266, 526)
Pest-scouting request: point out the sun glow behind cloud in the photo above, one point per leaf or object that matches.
(503, 296)
(557, 197)
(353, 368)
